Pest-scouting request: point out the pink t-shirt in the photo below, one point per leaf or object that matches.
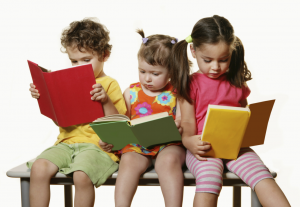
(205, 90)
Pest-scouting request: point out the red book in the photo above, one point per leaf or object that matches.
(65, 94)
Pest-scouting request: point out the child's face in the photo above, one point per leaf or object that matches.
(153, 78)
(213, 59)
(86, 57)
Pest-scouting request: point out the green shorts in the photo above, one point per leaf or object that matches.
(84, 157)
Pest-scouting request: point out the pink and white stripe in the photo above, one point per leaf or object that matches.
(249, 167)
(208, 173)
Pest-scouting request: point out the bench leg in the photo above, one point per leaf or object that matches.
(68, 196)
(254, 200)
(25, 184)
(236, 196)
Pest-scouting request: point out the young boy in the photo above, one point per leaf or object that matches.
(77, 150)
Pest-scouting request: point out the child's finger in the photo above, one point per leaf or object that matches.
(180, 130)
(200, 158)
(97, 96)
(97, 85)
(204, 147)
(96, 90)
(203, 143)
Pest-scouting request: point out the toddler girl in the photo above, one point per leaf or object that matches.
(153, 94)
(220, 80)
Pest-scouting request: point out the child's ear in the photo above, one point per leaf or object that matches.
(105, 56)
(193, 50)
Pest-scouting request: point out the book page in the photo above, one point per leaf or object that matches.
(258, 123)
(149, 118)
(114, 117)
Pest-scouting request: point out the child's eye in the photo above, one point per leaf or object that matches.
(156, 74)
(74, 61)
(207, 61)
(141, 71)
(224, 60)
(87, 60)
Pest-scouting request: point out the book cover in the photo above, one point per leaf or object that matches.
(65, 94)
(143, 131)
(230, 128)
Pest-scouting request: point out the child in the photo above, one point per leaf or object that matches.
(153, 94)
(76, 150)
(220, 80)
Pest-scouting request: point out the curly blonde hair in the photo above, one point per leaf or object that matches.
(89, 35)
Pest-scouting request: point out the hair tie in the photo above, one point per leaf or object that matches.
(174, 41)
(189, 39)
(145, 40)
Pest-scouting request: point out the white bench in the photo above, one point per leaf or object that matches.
(149, 178)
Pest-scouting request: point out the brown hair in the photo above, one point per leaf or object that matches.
(210, 30)
(157, 49)
(89, 35)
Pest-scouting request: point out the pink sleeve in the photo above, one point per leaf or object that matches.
(246, 92)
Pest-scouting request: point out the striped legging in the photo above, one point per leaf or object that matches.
(208, 174)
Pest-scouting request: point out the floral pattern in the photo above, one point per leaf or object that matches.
(165, 98)
(143, 109)
(144, 105)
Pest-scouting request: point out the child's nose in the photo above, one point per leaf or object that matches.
(148, 78)
(216, 66)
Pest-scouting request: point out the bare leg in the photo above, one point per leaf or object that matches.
(269, 194)
(131, 167)
(41, 172)
(84, 190)
(205, 200)
(168, 166)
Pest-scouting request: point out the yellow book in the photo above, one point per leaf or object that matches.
(230, 128)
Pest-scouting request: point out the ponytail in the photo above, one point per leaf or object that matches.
(141, 32)
(180, 70)
(238, 71)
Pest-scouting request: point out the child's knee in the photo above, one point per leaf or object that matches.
(168, 161)
(80, 178)
(43, 169)
(132, 161)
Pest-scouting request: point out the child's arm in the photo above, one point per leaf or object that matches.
(126, 95)
(99, 94)
(189, 138)
(178, 117)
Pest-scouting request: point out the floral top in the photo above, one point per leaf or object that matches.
(144, 105)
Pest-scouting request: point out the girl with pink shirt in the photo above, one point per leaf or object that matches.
(220, 80)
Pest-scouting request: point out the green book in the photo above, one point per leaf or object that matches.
(147, 131)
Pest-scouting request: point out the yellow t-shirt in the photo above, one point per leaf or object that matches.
(83, 133)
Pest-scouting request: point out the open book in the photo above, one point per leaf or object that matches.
(65, 94)
(230, 128)
(147, 131)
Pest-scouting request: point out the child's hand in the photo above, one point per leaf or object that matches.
(178, 125)
(99, 94)
(199, 147)
(34, 91)
(106, 147)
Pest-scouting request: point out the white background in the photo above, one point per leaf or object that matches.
(30, 30)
